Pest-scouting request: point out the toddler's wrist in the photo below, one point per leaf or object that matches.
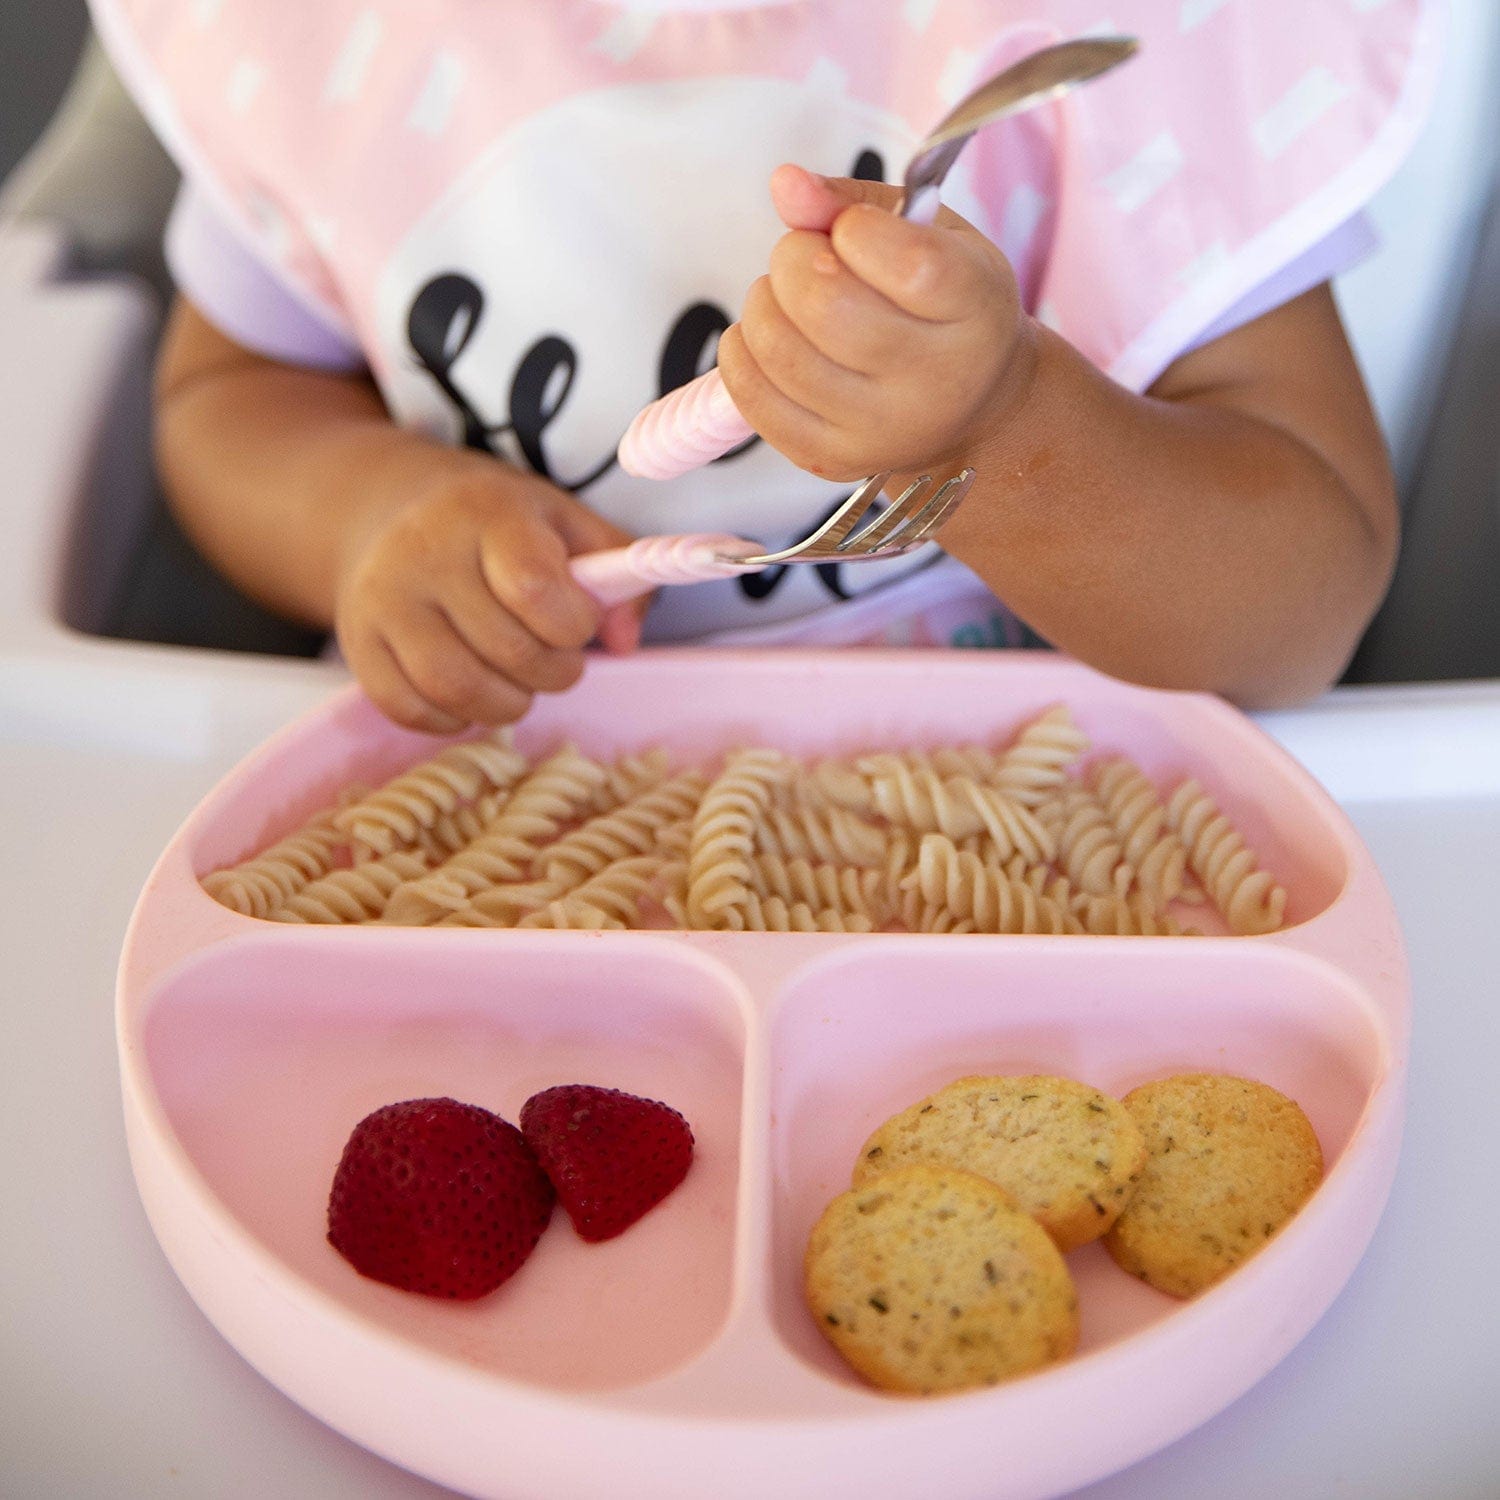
(1011, 394)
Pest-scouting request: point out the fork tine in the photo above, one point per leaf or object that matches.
(824, 542)
(910, 522)
(838, 526)
(932, 515)
(889, 520)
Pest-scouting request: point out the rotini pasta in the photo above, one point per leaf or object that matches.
(833, 836)
(1248, 898)
(951, 839)
(1088, 848)
(549, 798)
(396, 815)
(724, 836)
(964, 885)
(634, 827)
(845, 889)
(358, 894)
(1154, 853)
(257, 887)
(1036, 765)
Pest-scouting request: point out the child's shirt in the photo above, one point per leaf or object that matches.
(529, 218)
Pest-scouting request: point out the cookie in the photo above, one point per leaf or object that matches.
(1067, 1154)
(930, 1279)
(1231, 1161)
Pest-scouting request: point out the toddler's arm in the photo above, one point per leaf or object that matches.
(444, 571)
(1232, 530)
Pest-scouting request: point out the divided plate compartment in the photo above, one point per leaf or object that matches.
(679, 1360)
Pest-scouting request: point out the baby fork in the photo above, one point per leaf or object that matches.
(622, 573)
(699, 421)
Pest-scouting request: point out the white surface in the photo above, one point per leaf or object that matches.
(113, 1385)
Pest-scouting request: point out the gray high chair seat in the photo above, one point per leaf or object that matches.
(98, 175)
(1424, 316)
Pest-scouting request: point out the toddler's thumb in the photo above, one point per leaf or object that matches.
(805, 200)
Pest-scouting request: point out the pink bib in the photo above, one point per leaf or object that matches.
(532, 217)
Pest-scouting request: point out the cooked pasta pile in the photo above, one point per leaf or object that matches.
(1019, 839)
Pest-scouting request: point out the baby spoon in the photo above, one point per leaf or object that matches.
(699, 421)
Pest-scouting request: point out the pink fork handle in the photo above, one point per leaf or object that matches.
(699, 422)
(624, 573)
(691, 426)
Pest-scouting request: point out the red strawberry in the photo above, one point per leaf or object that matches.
(610, 1155)
(438, 1197)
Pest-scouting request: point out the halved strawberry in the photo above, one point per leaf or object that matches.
(438, 1197)
(610, 1155)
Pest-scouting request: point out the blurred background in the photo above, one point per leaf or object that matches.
(83, 190)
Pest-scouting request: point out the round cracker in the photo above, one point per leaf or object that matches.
(1231, 1161)
(1069, 1155)
(929, 1279)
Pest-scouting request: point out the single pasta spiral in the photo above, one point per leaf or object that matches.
(834, 835)
(967, 887)
(1248, 897)
(615, 892)
(396, 815)
(724, 836)
(635, 827)
(845, 889)
(357, 894)
(257, 887)
(1151, 849)
(1135, 915)
(1088, 849)
(773, 914)
(1035, 766)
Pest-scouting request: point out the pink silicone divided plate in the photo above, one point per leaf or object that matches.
(678, 1360)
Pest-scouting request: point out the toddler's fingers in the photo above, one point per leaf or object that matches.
(932, 272)
(500, 641)
(374, 663)
(806, 200)
(842, 317)
(809, 440)
(798, 369)
(449, 676)
(523, 561)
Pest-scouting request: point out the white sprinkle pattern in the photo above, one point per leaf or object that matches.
(434, 105)
(827, 77)
(1195, 12)
(347, 75)
(1205, 263)
(919, 14)
(245, 79)
(1297, 111)
(957, 77)
(1146, 173)
(625, 35)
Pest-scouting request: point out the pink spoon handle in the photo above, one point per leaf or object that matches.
(691, 426)
(622, 573)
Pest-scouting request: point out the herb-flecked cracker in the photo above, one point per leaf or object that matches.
(1069, 1155)
(929, 1279)
(1231, 1161)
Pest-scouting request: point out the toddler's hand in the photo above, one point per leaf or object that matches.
(457, 607)
(874, 343)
